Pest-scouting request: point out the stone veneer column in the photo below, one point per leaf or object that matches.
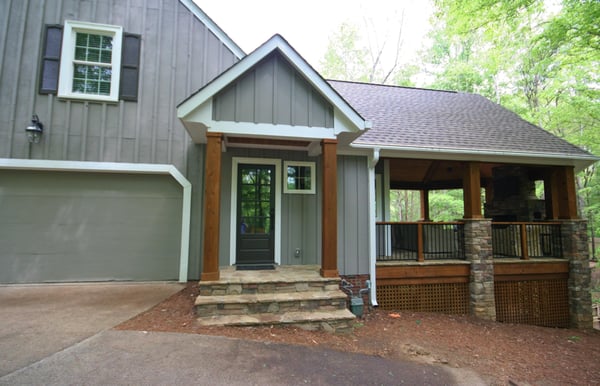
(478, 250)
(575, 248)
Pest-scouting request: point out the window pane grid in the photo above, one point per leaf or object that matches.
(92, 72)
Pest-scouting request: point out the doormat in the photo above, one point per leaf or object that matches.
(254, 267)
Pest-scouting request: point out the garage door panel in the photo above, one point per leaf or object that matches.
(79, 227)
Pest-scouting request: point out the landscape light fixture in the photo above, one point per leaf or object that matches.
(34, 130)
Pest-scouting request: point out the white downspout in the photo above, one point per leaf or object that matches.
(373, 159)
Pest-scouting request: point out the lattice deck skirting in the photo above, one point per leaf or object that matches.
(449, 298)
(537, 302)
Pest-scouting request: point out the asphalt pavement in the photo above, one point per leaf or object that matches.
(63, 336)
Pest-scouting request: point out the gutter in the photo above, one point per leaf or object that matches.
(581, 161)
(125, 168)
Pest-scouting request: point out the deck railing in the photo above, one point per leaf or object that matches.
(524, 240)
(420, 241)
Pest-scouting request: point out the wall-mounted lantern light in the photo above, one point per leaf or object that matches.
(34, 130)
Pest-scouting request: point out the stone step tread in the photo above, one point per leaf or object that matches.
(292, 317)
(270, 297)
(267, 280)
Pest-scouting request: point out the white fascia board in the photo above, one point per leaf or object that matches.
(276, 42)
(214, 28)
(125, 168)
(580, 162)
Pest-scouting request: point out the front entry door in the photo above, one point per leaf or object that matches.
(255, 214)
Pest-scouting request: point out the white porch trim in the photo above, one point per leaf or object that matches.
(372, 162)
(125, 168)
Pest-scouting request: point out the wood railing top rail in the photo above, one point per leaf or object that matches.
(419, 222)
(526, 223)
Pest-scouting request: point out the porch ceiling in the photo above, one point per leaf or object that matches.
(431, 174)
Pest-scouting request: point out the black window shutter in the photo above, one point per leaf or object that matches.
(50, 66)
(130, 67)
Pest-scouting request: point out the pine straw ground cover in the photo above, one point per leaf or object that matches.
(500, 353)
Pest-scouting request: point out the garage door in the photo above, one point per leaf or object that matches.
(74, 226)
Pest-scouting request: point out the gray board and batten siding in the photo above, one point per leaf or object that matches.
(301, 213)
(179, 54)
(273, 92)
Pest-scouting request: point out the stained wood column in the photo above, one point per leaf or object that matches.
(425, 205)
(212, 204)
(551, 194)
(567, 194)
(329, 212)
(472, 190)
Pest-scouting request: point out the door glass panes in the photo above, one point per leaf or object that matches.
(256, 199)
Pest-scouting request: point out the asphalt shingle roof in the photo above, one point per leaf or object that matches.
(432, 119)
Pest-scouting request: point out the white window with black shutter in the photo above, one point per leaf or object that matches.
(90, 61)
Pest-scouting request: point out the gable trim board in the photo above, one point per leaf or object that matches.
(123, 168)
(196, 112)
(214, 28)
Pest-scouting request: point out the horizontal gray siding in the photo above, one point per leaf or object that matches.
(59, 226)
(273, 92)
(178, 56)
(353, 215)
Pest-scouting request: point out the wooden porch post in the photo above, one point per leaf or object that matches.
(472, 190)
(551, 194)
(212, 199)
(329, 212)
(567, 195)
(425, 205)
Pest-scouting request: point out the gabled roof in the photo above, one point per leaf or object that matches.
(275, 43)
(214, 28)
(410, 119)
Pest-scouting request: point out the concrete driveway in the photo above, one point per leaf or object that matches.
(39, 320)
(61, 334)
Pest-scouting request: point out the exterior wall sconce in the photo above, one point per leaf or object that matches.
(34, 130)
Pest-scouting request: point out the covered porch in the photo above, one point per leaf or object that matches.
(512, 257)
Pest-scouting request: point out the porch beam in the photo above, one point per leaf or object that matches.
(212, 204)
(329, 211)
(472, 190)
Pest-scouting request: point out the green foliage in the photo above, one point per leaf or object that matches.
(542, 62)
(344, 59)
(446, 205)
(405, 205)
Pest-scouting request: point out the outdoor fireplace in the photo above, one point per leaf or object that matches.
(513, 196)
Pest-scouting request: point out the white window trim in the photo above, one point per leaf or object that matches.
(313, 179)
(233, 209)
(65, 80)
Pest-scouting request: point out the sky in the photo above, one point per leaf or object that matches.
(308, 24)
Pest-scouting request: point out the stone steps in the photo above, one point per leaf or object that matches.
(288, 295)
(270, 302)
(254, 285)
(338, 321)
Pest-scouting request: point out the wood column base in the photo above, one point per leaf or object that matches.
(329, 272)
(209, 276)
